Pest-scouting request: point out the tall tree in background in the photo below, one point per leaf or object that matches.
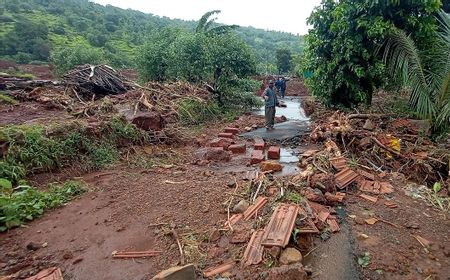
(342, 46)
(207, 25)
(426, 73)
(284, 59)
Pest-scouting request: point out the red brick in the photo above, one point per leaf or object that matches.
(237, 148)
(226, 135)
(273, 152)
(257, 156)
(220, 143)
(231, 130)
(259, 144)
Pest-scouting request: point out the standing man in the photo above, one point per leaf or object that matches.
(271, 101)
(283, 87)
(278, 84)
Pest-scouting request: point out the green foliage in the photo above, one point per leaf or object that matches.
(67, 58)
(33, 149)
(26, 203)
(284, 60)
(194, 112)
(342, 46)
(207, 26)
(7, 99)
(32, 29)
(425, 72)
(364, 260)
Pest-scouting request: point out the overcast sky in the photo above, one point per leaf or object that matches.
(287, 15)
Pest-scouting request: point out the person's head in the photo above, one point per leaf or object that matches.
(270, 83)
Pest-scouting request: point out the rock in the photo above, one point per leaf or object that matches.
(288, 272)
(314, 195)
(290, 256)
(148, 121)
(241, 206)
(44, 245)
(186, 272)
(231, 184)
(67, 255)
(274, 251)
(368, 125)
(33, 246)
(213, 154)
(248, 129)
(270, 165)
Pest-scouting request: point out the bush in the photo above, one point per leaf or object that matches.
(26, 203)
(194, 112)
(67, 58)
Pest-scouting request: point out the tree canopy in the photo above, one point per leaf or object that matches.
(30, 30)
(342, 46)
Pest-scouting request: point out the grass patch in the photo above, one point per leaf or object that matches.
(7, 99)
(35, 148)
(25, 203)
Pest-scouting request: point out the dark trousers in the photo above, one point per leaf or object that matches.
(270, 116)
(282, 93)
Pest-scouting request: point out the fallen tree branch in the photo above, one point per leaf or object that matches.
(180, 248)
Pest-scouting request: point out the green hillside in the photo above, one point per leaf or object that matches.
(31, 29)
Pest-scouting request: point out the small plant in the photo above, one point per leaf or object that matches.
(364, 260)
(7, 99)
(433, 197)
(353, 162)
(294, 197)
(25, 203)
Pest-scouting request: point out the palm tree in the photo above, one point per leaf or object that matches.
(205, 25)
(425, 72)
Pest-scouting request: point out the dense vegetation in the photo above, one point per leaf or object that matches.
(33, 30)
(345, 51)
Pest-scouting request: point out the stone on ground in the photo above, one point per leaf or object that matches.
(241, 206)
(270, 165)
(290, 256)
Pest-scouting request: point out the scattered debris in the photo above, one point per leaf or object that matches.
(134, 254)
(253, 209)
(254, 252)
(281, 224)
(186, 272)
(369, 198)
(218, 269)
(96, 79)
(424, 242)
(345, 177)
(52, 273)
(371, 221)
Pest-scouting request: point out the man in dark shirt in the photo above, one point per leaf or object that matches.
(283, 87)
(271, 101)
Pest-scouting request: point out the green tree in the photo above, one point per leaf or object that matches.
(67, 58)
(207, 25)
(284, 59)
(341, 46)
(426, 73)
